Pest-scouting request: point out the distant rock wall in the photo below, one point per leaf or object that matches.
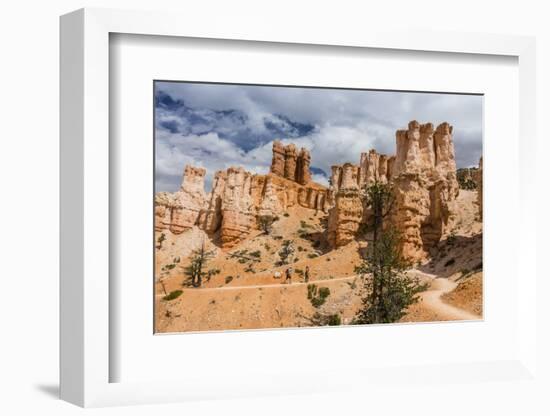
(229, 212)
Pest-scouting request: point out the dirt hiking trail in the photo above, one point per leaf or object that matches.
(431, 300)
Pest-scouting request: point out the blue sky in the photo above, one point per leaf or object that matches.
(216, 126)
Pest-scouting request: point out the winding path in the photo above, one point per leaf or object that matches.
(431, 299)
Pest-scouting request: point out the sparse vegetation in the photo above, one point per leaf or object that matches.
(303, 234)
(265, 223)
(160, 240)
(311, 290)
(286, 252)
(195, 271)
(305, 225)
(228, 279)
(173, 295)
(243, 256)
(319, 319)
(334, 320)
(312, 255)
(317, 296)
(212, 272)
(465, 178)
(389, 292)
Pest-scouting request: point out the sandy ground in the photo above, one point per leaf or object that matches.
(245, 294)
(468, 294)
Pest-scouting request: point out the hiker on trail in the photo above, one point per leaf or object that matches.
(288, 275)
(306, 274)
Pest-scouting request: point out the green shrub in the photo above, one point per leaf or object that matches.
(311, 290)
(228, 279)
(312, 255)
(286, 214)
(316, 296)
(303, 234)
(173, 295)
(304, 224)
(334, 320)
(317, 302)
(256, 254)
(324, 292)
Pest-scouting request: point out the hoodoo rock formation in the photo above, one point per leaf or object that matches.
(229, 212)
(425, 186)
(423, 177)
(372, 167)
(181, 210)
(291, 164)
(347, 213)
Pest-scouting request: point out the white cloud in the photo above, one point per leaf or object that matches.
(347, 122)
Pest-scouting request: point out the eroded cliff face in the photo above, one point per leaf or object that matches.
(372, 167)
(423, 177)
(347, 213)
(181, 210)
(229, 212)
(425, 186)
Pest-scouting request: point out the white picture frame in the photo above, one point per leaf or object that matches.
(85, 220)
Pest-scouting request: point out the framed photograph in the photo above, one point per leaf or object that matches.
(237, 208)
(271, 212)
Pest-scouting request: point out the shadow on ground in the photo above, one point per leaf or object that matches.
(51, 390)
